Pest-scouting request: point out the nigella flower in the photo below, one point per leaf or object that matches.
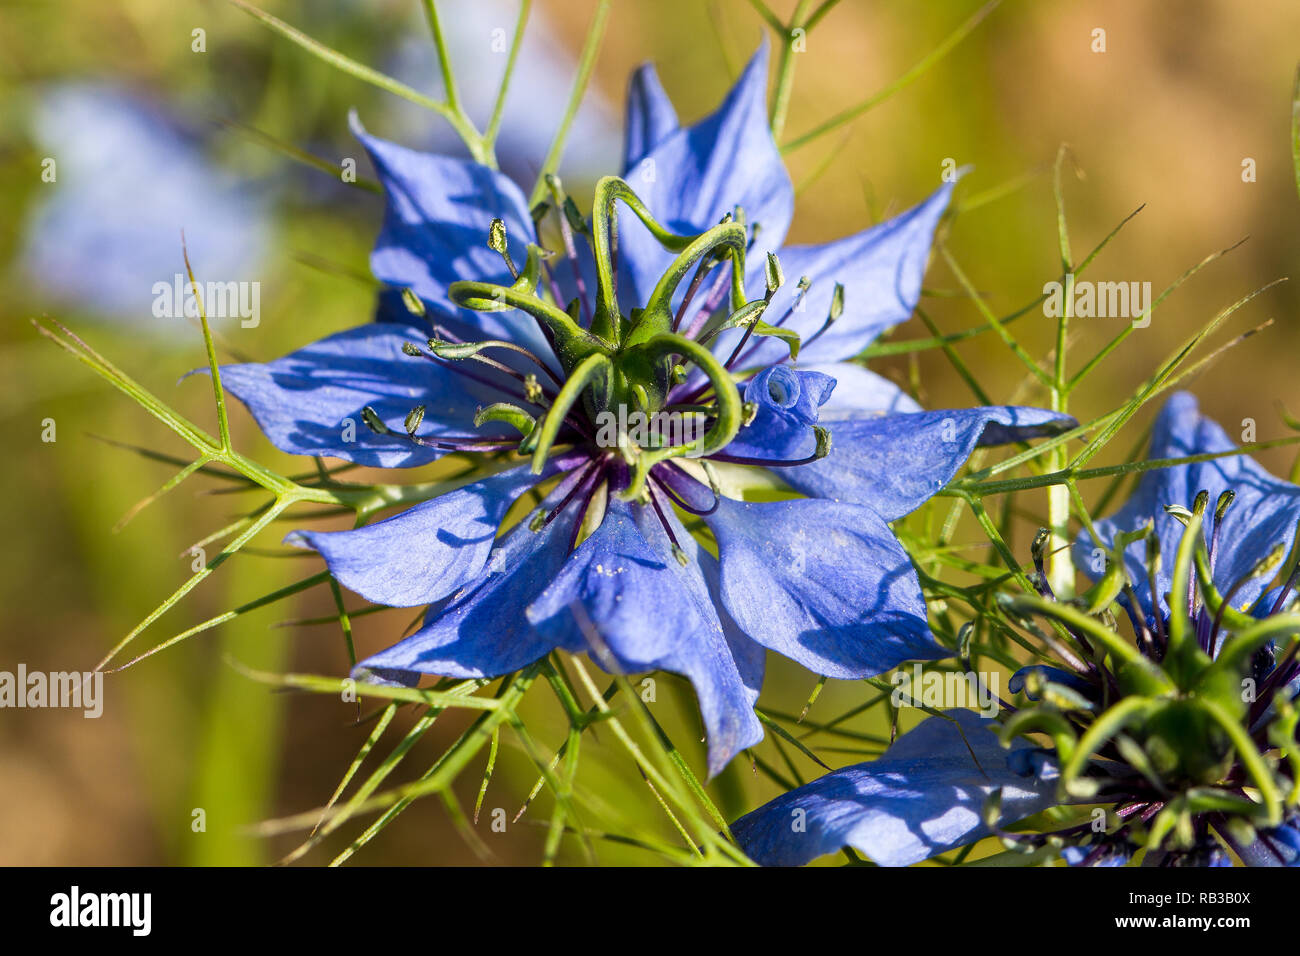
(1167, 733)
(679, 312)
(128, 176)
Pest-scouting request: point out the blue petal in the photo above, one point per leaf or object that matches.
(1279, 846)
(427, 552)
(895, 462)
(881, 271)
(923, 796)
(1263, 515)
(305, 401)
(698, 173)
(859, 392)
(1054, 674)
(1116, 853)
(650, 116)
(788, 407)
(435, 231)
(824, 583)
(481, 630)
(645, 612)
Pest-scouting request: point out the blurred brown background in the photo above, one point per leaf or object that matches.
(1164, 117)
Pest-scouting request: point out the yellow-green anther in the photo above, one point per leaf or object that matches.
(1235, 620)
(680, 555)
(413, 419)
(964, 636)
(1063, 697)
(837, 303)
(823, 441)
(747, 315)
(1179, 513)
(1039, 546)
(538, 521)
(532, 389)
(574, 217)
(749, 411)
(679, 375)
(512, 415)
(413, 303)
(497, 243)
(1225, 501)
(411, 349)
(775, 277)
(454, 351)
(374, 422)
(1265, 567)
(991, 811)
(1201, 503)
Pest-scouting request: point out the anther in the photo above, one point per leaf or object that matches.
(1201, 503)
(374, 422)
(413, 419)
(775, 277)
(497, 243)
(413, 303)
(836, 310)
(571, 213)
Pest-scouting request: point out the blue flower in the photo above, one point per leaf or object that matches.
(926, 794)
(1261, 517)
(129, 178)
(556, 347)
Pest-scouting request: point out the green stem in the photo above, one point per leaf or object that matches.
(498, 109)
(1060, 568)
(586, 62)
(785, 71)
(915, 73)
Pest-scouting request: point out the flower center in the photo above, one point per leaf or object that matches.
(644, 387)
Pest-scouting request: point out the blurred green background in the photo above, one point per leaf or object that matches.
(1182, 95)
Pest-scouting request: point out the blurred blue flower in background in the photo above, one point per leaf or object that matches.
(128, 178)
